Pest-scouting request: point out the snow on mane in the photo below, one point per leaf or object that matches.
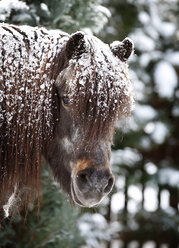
(100, 75)
(30, 52)
(34, 62)
(26, 55)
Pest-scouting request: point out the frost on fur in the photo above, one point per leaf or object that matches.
(35, 64)
(10, 204)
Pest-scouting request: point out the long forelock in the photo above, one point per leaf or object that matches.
(100, 87)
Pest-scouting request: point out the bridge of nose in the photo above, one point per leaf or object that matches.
(99, 178)
(87, 163)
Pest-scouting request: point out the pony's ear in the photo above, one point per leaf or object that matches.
(123, 49)
(75, 45)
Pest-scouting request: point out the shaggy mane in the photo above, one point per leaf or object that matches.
(28, 112)
(33, 62)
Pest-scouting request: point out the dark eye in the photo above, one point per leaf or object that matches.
(65, 100)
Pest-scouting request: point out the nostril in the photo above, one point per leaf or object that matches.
(82, 181)
(99, 181)
(109, 185)
(82, 178)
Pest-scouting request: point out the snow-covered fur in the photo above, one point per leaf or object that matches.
(34, 64)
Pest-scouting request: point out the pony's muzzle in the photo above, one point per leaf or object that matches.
(91, 180)
(91, 185)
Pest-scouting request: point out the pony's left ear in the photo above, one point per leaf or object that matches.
(75, 46)
(122, 50)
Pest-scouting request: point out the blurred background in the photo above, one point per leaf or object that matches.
(143, 209)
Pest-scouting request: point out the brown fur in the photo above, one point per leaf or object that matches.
(23, 140)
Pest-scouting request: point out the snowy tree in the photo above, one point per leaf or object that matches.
(55, 225)
(144, 204)
(69, 16)
(145, 157)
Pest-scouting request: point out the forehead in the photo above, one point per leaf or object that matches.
(97, 64)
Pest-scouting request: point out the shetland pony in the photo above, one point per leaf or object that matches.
(60, 96)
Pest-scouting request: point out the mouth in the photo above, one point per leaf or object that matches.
(77, 199)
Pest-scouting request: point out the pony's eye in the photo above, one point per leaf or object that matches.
(65, 100)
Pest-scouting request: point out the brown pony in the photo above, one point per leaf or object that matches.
(60, 96)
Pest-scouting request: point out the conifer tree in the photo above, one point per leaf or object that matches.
(147, 152)
(55, 225)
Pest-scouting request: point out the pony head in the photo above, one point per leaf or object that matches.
(93, 90)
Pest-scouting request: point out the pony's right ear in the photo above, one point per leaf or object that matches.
(122, 50)
(75, 46)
